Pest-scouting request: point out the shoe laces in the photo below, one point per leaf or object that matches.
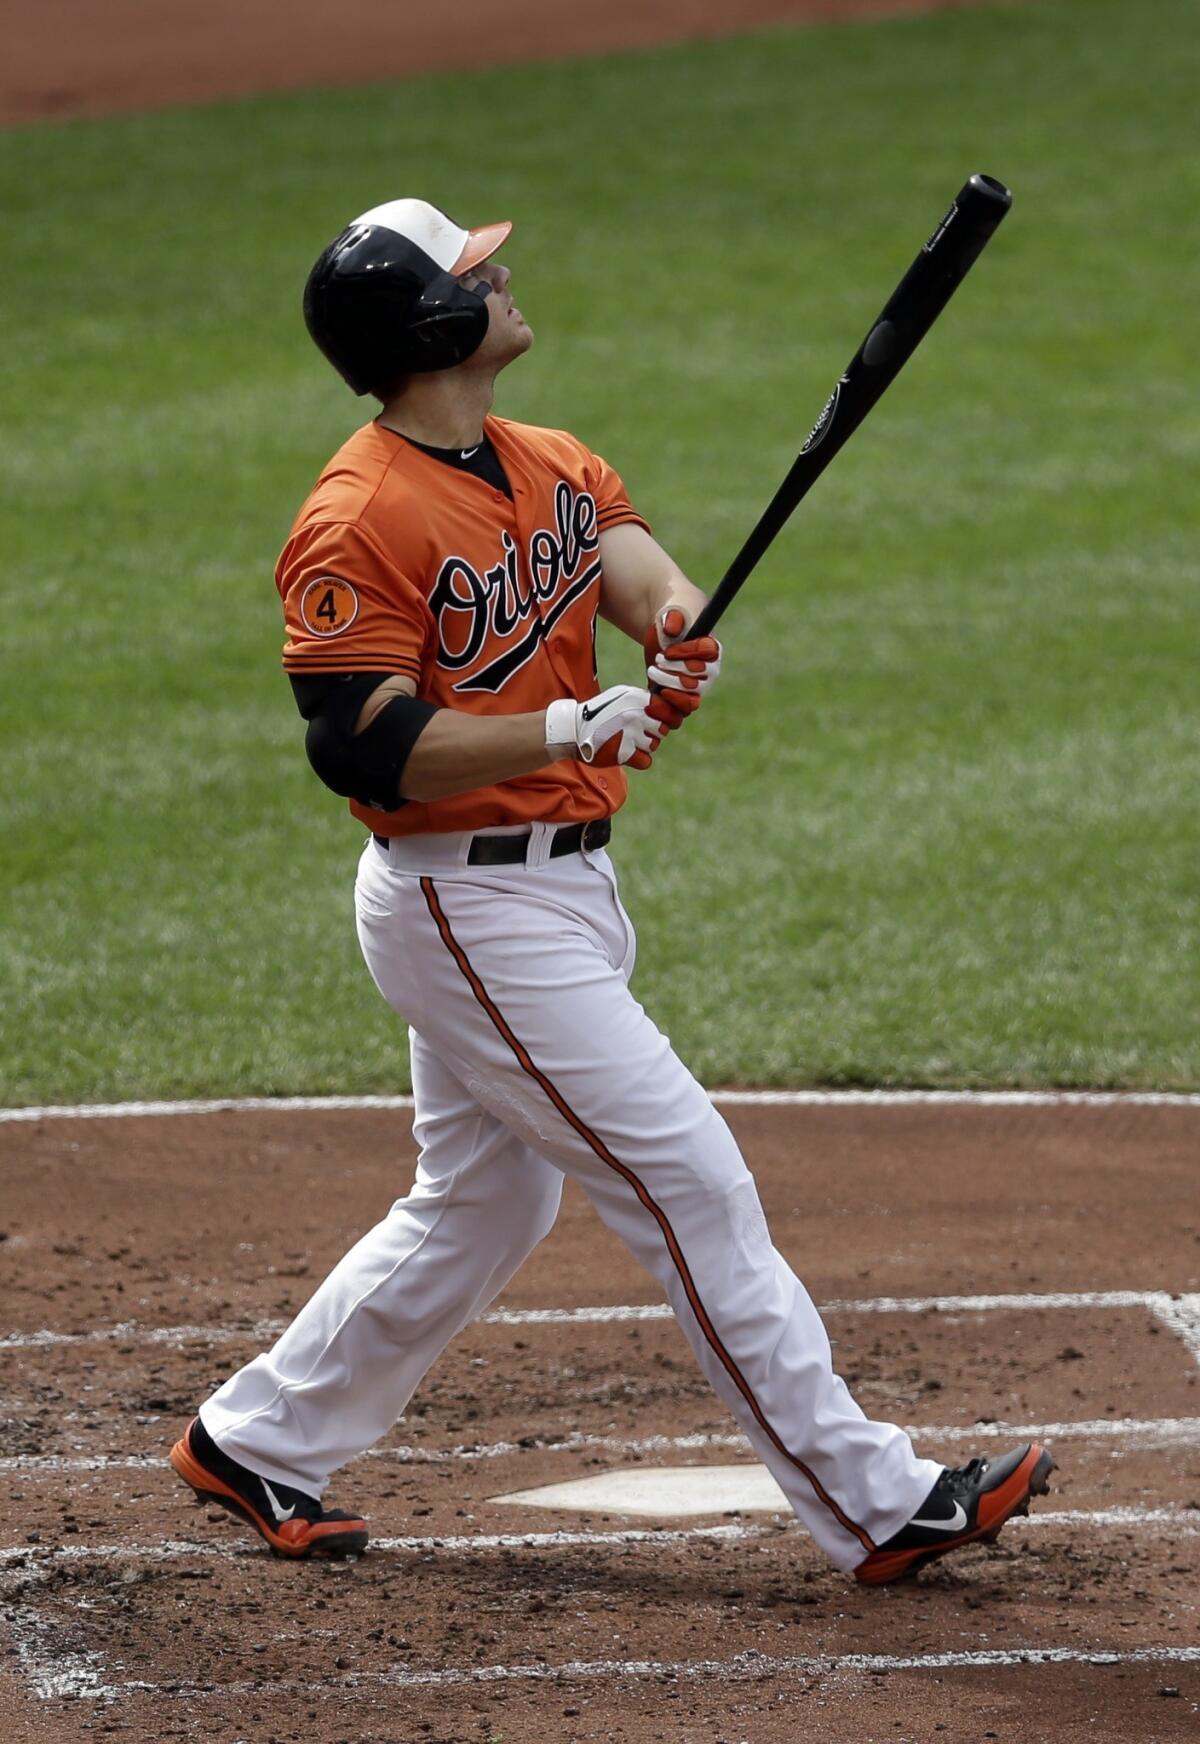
(960, 1478)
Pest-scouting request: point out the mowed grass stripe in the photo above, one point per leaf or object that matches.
(936, 827)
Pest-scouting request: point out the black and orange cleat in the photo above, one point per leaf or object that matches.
(968, 1503)
(292, 1523)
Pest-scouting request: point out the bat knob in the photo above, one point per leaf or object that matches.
(989, 192)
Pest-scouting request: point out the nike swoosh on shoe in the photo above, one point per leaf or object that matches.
(281, 1514)
(955, 1523)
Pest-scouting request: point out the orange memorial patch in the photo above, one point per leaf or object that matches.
(328, 606)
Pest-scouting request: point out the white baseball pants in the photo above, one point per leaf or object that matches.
(532, 1060)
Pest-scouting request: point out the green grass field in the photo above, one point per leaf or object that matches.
(938, 825)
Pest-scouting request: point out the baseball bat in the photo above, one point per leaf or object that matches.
(909, 313)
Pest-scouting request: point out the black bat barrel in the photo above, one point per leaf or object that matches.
(927, 286)
(909, 313)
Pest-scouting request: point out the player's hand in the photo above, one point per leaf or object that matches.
(679, 673)
(614, 727)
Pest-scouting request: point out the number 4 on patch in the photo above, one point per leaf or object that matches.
(328, 606)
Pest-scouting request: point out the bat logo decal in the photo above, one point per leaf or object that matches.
(821, 428)
(928, 247)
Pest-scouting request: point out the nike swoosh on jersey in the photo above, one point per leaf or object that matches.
(466, 453)
(955, 1524)
(281, 1514)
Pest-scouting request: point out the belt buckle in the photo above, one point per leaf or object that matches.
(594, 834)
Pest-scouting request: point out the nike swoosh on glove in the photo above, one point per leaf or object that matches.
(614, 727)
(679, 672)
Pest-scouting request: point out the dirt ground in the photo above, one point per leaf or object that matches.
(73, 57)
(156, 1246)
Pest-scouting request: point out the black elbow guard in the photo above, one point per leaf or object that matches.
(365, 766)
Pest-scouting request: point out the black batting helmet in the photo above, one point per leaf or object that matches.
(384, 301)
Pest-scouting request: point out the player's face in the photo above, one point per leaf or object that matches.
(508, 334)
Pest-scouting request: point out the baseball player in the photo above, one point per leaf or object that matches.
(440, 588)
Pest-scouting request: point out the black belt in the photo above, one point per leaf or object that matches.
(511, 850)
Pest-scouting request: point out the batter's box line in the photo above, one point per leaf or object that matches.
(1143, 1432)
(56, 1674)
(1180, 1313)
(739, 1665)
(1178, 1522)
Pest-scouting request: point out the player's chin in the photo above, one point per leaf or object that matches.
(518, 344)
(515, 344)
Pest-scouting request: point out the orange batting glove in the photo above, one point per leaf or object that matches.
(679, 673)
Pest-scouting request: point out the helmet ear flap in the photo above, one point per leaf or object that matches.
(446, 326)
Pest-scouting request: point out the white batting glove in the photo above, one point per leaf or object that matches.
(607, 729)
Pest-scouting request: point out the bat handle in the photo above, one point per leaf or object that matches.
(703, 622)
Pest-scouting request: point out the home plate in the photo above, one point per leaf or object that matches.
(666, 1492)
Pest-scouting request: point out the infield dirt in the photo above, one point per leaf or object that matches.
(69, 57)
(171, 1247)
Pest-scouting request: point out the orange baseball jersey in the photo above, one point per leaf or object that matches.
(400, 563)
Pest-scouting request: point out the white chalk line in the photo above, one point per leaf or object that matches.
(1181, 1312)
(45, 1338)
(53, 1671)
(722, 1098)
(756, 1665)
(1141, 1432)
(57, 1674)
(1177, 1522)
(1182, 1315)
(457, 1544)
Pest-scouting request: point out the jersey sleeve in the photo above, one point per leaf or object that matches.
(612, 500)
(347, 607)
